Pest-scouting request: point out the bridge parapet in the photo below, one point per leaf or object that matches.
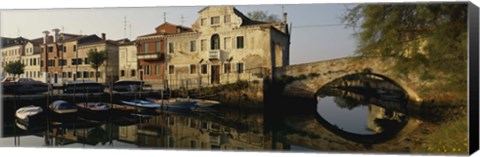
(317, 74)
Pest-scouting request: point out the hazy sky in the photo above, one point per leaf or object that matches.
(313, 35)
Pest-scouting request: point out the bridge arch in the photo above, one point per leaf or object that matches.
(317, 74)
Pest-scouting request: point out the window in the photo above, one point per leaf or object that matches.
(122, 73)
(79, 74)
(31, 61)
(171, 69)
(64, 75)
(62, 62)
(74, 48)
(170, 47)
(215, 20)
(64, 48)
(85, 74)
(227, 42)
(147, 70)
(51, 63)
(240, 67)
(74, 61)
(192, 46)
(92, 74)
(215, 42)
(157, 47)
(193, 68)
(203, 21)
(34, 61)
(157, 69)
(50, 49)
(69, 74)
(133, 73)
(240, 42)
(226, 68)
(204, 68)
(87, 61)
(203, 44)
(145, 48)
(226, 19)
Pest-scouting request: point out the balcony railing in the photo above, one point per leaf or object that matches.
(218, 55)
(149, 56)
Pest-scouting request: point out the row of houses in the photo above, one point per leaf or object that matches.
(221, 46)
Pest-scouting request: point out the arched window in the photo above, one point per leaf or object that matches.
(215, 42)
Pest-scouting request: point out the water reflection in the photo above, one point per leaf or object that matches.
(230, 129)
(361, 113)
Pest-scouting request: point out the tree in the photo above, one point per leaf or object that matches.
(430, 39)
(263, 16)
(96, 59)
(15, 68)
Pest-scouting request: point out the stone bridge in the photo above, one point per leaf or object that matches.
(317, 74)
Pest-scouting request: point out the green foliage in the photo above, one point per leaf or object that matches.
(15, 68)
(263, 16)
(96, 59)
(450, 138)
(426, 38)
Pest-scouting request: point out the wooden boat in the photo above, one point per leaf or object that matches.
(94, 106)
(30, 114)
(24, 86)
(206, 103)
(82, 86)
(175, 102)
(62, 107)
(142, 104)
(128, 85)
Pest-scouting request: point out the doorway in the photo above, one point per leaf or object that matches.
(215, 79)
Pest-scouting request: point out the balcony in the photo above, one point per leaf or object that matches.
(150, 56)
(218, 55)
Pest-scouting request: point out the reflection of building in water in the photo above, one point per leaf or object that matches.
(127, 133)
(376, 113)
(185, 132)
(90, 136)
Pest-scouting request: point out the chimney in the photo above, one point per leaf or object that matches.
(45, 37)
(284, 17)
(55, 36)
(104, 36)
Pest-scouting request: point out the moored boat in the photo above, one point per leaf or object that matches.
(206, 103)
(94, 106)
(142, 104)
(30, 114)
(82, 86)
(24, 86)
(175, 102)
(62, 107)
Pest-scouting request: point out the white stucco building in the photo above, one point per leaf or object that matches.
(226, 46)
(127, 61)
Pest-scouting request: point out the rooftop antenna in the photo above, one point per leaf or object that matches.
(164, 17)
(182, 18)
(283, 9)
(125, 27)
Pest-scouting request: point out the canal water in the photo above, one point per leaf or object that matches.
(339, 118)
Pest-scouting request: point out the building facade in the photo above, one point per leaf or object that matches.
(31, 59)
(127, 60)
(151, 53)
(11, 50)
(226, 46)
